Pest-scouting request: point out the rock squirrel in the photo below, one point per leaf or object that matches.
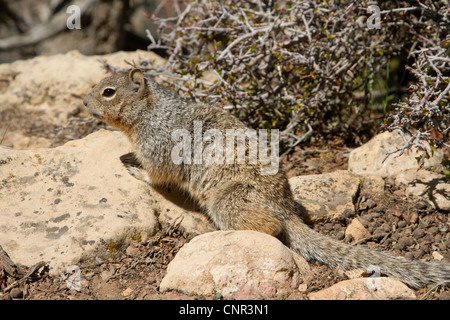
(234, 195)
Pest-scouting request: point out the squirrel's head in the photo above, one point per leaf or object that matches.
(117, 98)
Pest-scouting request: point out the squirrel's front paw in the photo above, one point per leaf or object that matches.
(134, 167)
(140, 174)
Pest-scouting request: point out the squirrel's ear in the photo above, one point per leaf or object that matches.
(136, 77)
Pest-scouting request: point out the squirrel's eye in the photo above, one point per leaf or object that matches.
(108, 92)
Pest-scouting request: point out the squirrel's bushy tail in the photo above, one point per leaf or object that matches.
(312, 245)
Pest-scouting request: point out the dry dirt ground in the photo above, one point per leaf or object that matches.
(396, 224)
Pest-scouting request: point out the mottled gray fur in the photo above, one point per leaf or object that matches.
(234, 196)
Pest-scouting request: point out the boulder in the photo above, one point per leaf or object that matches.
(60, 204)
(368, 159)
(236, 264)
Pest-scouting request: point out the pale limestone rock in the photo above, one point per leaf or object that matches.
(380, 288)
(356, 230)
(238, 264)
(368, 159)
(426, 186)
(327, 196)
(59, 204)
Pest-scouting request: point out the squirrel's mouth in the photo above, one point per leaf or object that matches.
(97, 115)
(94, 113)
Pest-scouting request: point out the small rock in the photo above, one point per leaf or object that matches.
(373, 215)
(348, 238)
(418, 233)
(419, 253)
(437, 237)
(356, 230)
(369, 204)
(413, 218)
(402, 224)
(16, 293)
(303, 287)
(444, 246)
(437, 256)
(132, 250)
(354, 273)
(150, 279)
(381, 288)
(433, 230)
(421, 205)
(127, 292)
(403, 243)
(379, 234)
(340, 235)
(365, 220)
(328, 226)
(394, 212)
(389, 182)
(107, 274)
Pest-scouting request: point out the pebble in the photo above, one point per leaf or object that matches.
(369, 204)
(418, 233)
(419, 253)
(402, 224)
(387, 227)
(394, 212)
(377, 209)
(379, 234)
(403, 243)
(374, 215)
(127, 292)
(16, 293)
(328, 226)
(303, 287)
(151, 279)
(132, 250)
(433, 230)
(443, 246)
(421, 205)
(340, 235)
(413, 218)
(437, 256)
